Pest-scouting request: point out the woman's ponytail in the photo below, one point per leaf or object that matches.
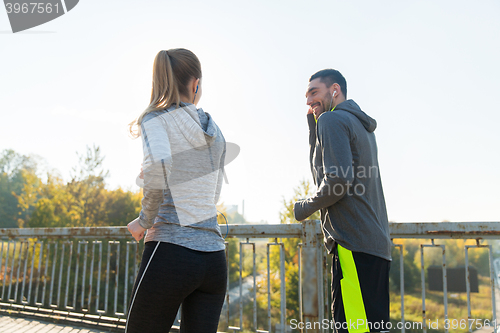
(172, 71)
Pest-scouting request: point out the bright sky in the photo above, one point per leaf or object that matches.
(427, 71)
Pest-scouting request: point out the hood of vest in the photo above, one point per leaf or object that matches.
(188, 120)
(352, 107)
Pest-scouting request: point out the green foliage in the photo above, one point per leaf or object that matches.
(15, 171)
(27, 201)
(411, 271)
(304, 190)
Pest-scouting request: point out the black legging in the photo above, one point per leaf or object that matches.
(175, 275)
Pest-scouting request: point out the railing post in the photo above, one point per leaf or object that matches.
(310, 277)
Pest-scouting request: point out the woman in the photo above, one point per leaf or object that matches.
(184, 260)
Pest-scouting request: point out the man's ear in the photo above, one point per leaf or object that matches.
(336, 87)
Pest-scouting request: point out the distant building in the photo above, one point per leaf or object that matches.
(231, 209)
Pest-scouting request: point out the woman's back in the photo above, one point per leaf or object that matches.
(184, 165)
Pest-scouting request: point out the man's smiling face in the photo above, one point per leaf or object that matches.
(319, 97)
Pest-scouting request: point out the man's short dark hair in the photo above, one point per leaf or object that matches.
(329, 77)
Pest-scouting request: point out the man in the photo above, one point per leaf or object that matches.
(344, 164)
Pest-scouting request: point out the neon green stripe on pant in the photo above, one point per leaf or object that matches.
(354, 307)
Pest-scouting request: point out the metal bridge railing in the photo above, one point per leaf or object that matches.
(86, 275)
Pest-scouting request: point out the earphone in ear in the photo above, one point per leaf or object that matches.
(195, 93)
(333, 95)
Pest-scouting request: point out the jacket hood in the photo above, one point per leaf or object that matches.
(352, 107)
(187, 118)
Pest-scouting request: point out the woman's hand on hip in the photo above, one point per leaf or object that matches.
(136, 229)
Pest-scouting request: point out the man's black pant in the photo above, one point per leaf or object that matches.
(360, 288)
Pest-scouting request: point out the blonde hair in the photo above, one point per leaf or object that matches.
(172, 71)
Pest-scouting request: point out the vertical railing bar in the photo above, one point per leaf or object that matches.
(67, 278)
(283, 287)
(241, 285)
(46, 276)
(19, 259)
(1, 266)
(299, 252)
(325, 281)
(125, 293)
(86, 243)
(319, 280)
(26, 252)
(49, 303)
(492, 282)
(136, 258)
(31, 272)
(19, 256)
(117, 275)
(402, 278)
(254, 289)
(54, 263)
(242, 244)
(107, 279)
(12, 270)
(422, 277)
(467, 283)
(268, 289)
(226, 244)
(401, 285)
(445, 288)
(40, 277)
(91, 273)
(26, 257)
(60, 276)
(5, 268)
(329, 285)
(77, 259)
(99, 278)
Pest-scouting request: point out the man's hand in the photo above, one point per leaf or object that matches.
(141, 175)
(310, 110)
(136, 229)
(294, 212)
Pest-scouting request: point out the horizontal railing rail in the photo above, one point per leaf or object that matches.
(435, 230)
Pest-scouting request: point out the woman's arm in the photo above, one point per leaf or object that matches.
(156, 167)
(220, 175)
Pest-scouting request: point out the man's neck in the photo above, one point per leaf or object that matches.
(337, 101)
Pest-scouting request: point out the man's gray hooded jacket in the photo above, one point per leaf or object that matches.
(349, 193)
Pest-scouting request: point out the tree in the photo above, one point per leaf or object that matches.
(17, 174)
(83, 201)
(87, 188)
